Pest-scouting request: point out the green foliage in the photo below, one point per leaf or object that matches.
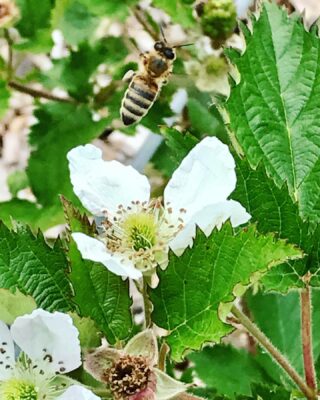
(89, 335)
(31, 214)
(60, 127)
(204, 121)
(273, 111)
(274, 211)
(178, 10)
(98, 293)
(34, 15)
(12, 305)
(27, 263)
(232, 378)
(278, 317)
(191, 289)
(4, 98)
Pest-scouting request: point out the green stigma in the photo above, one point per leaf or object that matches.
(141, 231)
(15, 389)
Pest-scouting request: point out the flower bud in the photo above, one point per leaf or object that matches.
(218, 19)
(8, 13)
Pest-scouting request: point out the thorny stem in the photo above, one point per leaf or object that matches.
(39, 93)
(306, 334)
(274, 352)
(10, 54)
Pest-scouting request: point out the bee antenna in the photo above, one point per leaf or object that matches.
(162, 33)
(182, 45)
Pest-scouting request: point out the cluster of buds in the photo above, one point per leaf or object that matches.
(218, 19)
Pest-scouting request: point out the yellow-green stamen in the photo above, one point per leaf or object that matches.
(141, 230)
(15, 389)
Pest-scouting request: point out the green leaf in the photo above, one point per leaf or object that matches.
(12, 305)
(60, 127)
(34, 25)
(273, 111)
(89, 335)
(98, 293)
(31, 214)
(204, 121)
(75, 19)
(171, 152)
(274, 211)
(74, 73)
(228, 370)
(192, 287)
(278, 317)
(27, 263)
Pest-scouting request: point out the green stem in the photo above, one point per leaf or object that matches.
(306, 334)
(147, 304)
(274, 352)
(39, 93)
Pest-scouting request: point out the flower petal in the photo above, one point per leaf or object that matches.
(205, 176)
(6, 352)
(94, 250)
(143, 344)
(48, 337)
(104, 185)
(167, 387)
(210, 217)
(77, 392)
(98, 361)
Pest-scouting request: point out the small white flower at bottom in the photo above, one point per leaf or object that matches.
(136, 232)
(49, 348)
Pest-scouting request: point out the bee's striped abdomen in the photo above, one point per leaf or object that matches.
(137, 100)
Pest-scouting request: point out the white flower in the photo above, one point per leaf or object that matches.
(131, 373)
(242, 7)
(49, 347)
(136, 232)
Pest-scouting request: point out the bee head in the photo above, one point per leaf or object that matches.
(161, 48)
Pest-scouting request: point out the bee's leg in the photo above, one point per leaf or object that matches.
(127, 77)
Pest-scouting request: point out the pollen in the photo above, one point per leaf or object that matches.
(128, 376)
(141, 232)
(15, 389)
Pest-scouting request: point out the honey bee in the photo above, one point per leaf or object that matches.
(156, 67)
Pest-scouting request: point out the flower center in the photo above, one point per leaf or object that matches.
(128, 376)
(141, 230)
(15, 389)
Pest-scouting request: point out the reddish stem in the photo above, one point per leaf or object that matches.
(306, 333)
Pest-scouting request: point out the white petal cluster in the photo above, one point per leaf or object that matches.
(49, 347)
(136, 232)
